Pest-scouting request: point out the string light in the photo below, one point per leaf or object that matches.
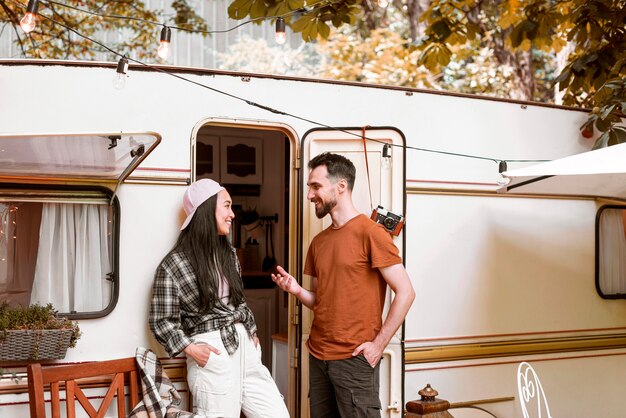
(165, 41)
(120, 73)
(502, 181)
(29, 21)
(383, 3)
(123, 66)
(164, 45)
(281, 35)
(386, 159)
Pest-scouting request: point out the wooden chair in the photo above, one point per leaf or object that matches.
(67, 377)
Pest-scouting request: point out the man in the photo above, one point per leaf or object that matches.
(351, 263)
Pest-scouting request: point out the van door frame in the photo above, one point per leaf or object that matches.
(346, 132)
(294, 249)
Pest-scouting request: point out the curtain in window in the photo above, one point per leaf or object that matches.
(73, 258)
(19, 239)
(612, 252)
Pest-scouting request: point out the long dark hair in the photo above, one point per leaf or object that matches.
(210, 254)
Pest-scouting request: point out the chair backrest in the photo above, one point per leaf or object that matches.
(68, 378)
(531, 395)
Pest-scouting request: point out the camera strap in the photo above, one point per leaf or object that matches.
(367, 166)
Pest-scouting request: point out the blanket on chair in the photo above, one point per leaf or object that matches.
(160, 397)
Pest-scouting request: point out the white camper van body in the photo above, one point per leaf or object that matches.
(499, 278)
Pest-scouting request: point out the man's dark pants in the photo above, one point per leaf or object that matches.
(346, 388)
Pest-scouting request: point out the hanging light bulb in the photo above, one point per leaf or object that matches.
(502, 181)
(120, 74)
(29, 20)
(383, 3)
(164, 46)
(386, 160)
(281, 35)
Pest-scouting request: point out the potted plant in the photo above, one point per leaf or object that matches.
(35, 333)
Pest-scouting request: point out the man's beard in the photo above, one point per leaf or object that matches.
(325, 209)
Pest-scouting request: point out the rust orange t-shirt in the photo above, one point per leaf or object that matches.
(350, 289)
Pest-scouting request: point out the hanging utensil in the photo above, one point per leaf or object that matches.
(269, 261)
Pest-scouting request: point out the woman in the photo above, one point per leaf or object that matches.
(198, 308)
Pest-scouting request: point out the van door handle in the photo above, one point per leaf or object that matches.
(395, 406)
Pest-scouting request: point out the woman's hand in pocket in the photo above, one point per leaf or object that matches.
(200, 352)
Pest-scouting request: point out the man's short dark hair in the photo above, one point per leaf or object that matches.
(338, 166)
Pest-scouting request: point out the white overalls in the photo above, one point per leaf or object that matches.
(229, 384)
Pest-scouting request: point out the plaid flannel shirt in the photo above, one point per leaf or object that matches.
(175, 314)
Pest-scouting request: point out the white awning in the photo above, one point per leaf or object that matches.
(599, 173)
(104, 156)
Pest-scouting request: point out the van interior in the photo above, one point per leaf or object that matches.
(254, 166)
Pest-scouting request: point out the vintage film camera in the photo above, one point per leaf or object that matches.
(392, 222)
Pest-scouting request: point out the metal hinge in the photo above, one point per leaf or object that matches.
(296, 317)
(294, 359)
(298, 162)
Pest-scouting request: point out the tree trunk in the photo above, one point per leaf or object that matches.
(415, 8)
(522, 65)
(520, 61)
(524, 72)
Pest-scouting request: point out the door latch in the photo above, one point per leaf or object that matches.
(395, 406)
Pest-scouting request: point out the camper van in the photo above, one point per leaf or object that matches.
(91, 186)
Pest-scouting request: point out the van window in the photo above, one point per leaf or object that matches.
(611, 252)
(58, 247)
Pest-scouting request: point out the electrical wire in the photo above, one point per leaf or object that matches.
(270, 109)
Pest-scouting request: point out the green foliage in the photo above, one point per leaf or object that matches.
(606, 118)
(185, 16)
(524, 36)
(381, 58)
(596, 29)
(35, 317)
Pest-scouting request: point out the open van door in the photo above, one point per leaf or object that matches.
(387, 185)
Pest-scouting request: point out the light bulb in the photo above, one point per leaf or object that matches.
(385, 161)
(281, 35)
(119, 81)
(383, 3)
(28, 22)
(164, 50)
(120, 74)
(164, 45)
(501, 180)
